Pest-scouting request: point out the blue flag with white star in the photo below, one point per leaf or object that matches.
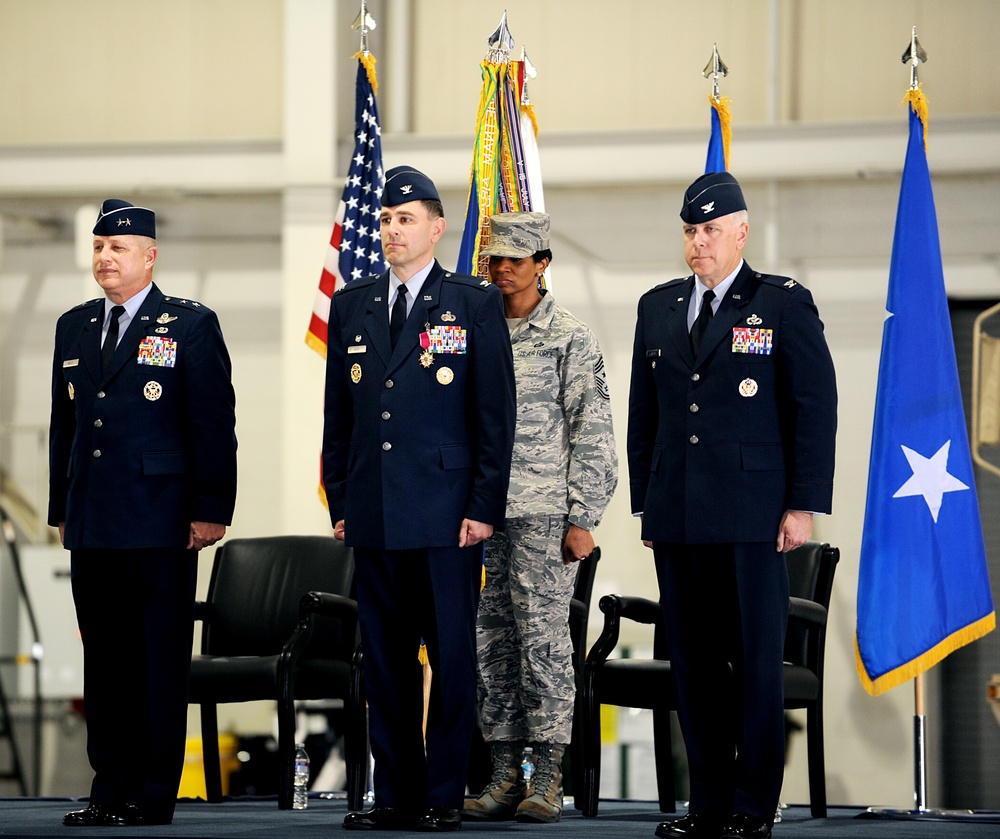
(923, 589)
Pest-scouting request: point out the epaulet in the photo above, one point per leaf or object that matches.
(184, 303)
(787, 283)
(361, 282)
(93, 302)
(670, 284)
(465, 279)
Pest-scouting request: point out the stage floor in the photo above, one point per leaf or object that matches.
(246, 818)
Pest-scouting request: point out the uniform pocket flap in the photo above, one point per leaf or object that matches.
(456, 457)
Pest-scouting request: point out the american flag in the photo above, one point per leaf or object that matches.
(355, 245)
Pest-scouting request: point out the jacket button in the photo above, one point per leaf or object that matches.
(693, 408)
(388, 382)
(693, 439)
(97, 452)
(100, 394)
(98, 423)
(386, 446)
(386, 415)
(695, 377)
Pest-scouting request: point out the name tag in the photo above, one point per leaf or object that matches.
(356, 348)
(71, 362)
(652, 353)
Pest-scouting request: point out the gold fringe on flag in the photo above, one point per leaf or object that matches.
(721, 106)
(368, 60)
(923, 663)
(918, 102)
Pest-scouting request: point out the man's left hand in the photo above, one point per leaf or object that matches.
(473, 532)
(795, 530)
(204, 534)
(577, 545)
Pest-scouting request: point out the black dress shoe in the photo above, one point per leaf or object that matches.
(96, 815)
(137, 817)
(742, 826)
(379, 818)
(691, 826)
(440, 819)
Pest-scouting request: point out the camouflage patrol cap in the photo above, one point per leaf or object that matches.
(517, 235)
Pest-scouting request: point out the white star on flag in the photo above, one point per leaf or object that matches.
(930, 478)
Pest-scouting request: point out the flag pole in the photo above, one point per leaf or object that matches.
(914, 56)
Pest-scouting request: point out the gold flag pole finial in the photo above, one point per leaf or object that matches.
(501, 42)
(914, 56)
(366, 23)
(715, 68)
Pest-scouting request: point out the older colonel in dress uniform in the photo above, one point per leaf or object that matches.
(732, 421)
(416, 461)
(142, 468)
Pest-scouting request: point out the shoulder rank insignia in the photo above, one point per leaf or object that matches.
(790, 284)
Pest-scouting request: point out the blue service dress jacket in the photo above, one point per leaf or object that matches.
(138, 454)
(417, 438)
(722, 444)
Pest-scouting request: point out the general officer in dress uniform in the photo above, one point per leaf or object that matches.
(732, 422)
(419, 428)
(142, 465)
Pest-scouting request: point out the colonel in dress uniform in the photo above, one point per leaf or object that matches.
(142, 475)
(732, 422)
(419, 427)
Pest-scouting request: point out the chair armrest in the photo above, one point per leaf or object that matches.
(806, 611)
(638, 609)
(578, 609)
(324, 603)
(616, 607)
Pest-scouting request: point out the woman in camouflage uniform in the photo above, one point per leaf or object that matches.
(563, 473)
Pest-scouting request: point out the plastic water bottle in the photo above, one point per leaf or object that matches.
(528, 765)
(300, 794)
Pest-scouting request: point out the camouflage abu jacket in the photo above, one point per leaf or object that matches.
(564, 460)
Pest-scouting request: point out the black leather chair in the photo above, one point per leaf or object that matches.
(280, 623)
(649, 683)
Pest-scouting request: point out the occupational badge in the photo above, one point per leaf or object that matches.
(72, 392)
(152, 391)
(356, 373)
(753, 320)
(445, 375)
(165, 318)
(448, 317)
(161, 330)
(748, 387)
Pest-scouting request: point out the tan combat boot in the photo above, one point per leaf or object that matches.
(505, 789)
(543, 798)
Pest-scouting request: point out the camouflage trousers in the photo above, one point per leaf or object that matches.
(526, 683)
